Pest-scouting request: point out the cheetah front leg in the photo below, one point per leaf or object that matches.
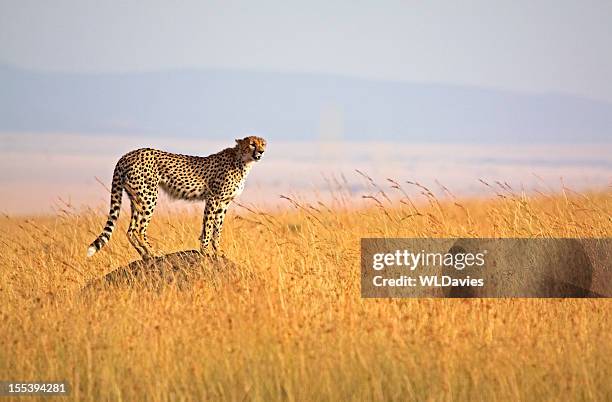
(219, 219)
(212, 226)
(208, 223)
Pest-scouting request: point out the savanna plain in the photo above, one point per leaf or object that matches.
(289, 323)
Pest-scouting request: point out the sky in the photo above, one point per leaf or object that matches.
(532, 46)
(78, 69)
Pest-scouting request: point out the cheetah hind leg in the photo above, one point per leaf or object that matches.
(137, 232)
(145, 219)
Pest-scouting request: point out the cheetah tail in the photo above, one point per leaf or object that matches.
(115, 207)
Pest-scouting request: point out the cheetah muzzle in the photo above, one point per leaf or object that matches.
(215, 179)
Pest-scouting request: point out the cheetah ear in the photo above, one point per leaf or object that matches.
(238, 140)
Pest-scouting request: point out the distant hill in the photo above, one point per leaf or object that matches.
(222, 103)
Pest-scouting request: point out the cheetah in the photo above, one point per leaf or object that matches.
(215, 179)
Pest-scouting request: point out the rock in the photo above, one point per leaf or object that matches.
(180, 269)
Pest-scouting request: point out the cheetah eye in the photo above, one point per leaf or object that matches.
(252, 145)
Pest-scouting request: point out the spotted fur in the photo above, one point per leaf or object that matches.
(216, 179)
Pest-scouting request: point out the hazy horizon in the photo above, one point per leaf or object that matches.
(37, 171)
(209, 103)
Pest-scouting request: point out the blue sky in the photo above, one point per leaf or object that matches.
(533, 46)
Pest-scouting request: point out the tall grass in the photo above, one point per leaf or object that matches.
(290, 325)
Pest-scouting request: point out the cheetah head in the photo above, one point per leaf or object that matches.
(251, 148)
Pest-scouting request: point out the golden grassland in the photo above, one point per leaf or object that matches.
(290, 324)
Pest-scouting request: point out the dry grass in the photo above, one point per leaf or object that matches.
(291, 324)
